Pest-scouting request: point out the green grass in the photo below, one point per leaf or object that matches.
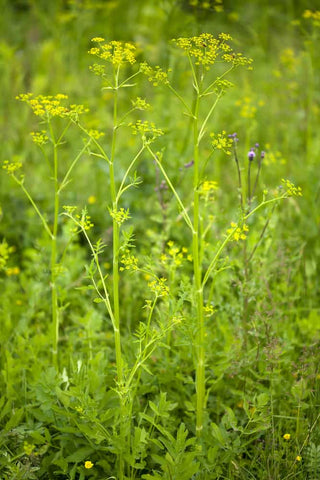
(166, 323)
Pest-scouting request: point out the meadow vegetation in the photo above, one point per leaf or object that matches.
(159, 240)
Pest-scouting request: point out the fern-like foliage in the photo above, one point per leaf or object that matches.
(312, 461)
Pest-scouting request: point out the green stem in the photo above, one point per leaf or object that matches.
(105, 298)
(175, 193)
(54, 292)
(96, 143)
(116, 246)
(207, 90)
(122, 188)
(73, 164)
(44, 223)
(228, 237)
(115, 270)
(208, 116)
(197, 268)
(174, 91)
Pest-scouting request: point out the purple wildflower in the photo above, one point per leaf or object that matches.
(251, 154)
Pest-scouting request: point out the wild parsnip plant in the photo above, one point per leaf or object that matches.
(181, 343)
(204, 52)
(48, 108)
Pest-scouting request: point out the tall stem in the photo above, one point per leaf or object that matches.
(115, 269)
(116, 234)
(196, 239)
(54, 293)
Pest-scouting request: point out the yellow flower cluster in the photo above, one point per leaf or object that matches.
(206, 49)
(147, 130)
(238, 232)
(158, 287)
(140, 104)
(11, 167)
(288, 59)
(130, 262)
(84, 221)
(5, 251)
(207, 188)
(28, 448)
(70, 209)
(39, 138)
(215, 5)
(79, 410)
(12, 271)
(118, 53)
(220, 141)
(220, 86)
(155, 75)
(98, 69)
(95, 134)
(209, 310)
(314, 16)
(273, 157)
(291, 189)
(51, 105)
(174, 254)
(247, 108)
(120, 215)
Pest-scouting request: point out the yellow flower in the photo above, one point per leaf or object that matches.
(92, 199)
(13, 271)
(238, 233)
(155, 75)
(88, 464)
(298, 458)
(286, 436)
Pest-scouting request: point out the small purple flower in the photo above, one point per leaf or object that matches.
(234, 136)
(251, 154)
(257, 145)
(263, 154)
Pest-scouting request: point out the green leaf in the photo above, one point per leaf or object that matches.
(80, 455)
(98, 300)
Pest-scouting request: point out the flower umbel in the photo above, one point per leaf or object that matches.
(238, 232)
(206, 50)
(11, 167)
(221, 141)
(39, 138)
(159, 287)
(291, 189)
(120, 215)
(51, 106)
(155, 75)
(147, 131)
(115, 52)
